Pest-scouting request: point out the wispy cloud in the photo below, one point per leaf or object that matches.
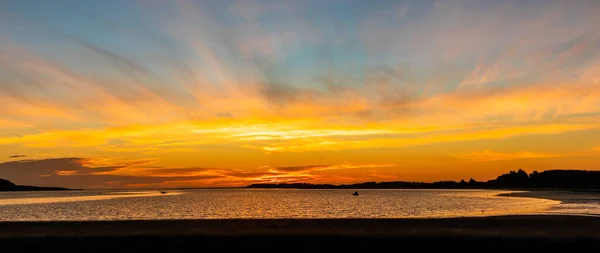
(300, 168)
(263, 81)
(489, 156)
(108, 173)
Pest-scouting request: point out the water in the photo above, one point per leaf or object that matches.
(259, 203)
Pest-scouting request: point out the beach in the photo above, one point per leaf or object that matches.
(571, 226)
(487, 234)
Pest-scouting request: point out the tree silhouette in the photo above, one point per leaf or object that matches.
(512, 179)
(554, 179)
(5, 184)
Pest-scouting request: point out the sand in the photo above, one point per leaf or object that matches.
(481, 234)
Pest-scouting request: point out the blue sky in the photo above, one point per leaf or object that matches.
(303, 42)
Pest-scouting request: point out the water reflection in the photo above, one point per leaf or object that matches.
(59, 197)
(258, 203)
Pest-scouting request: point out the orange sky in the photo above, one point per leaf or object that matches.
(189, 94)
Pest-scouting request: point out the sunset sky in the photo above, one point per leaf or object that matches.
(136, 93)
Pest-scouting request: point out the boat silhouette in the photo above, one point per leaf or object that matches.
(355, 194)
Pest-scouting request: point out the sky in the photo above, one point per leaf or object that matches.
(149, 93)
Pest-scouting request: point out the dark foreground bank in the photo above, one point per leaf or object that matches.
(484, 234)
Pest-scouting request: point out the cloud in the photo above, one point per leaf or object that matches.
(300, 168)
(310, 168)
(77, 173)
(489, 156)
(109, 173)
(176, 172)
(17, 156)
(253, 70)
(266, 79)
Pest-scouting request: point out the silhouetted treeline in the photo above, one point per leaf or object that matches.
(6, 185)
(550, 179)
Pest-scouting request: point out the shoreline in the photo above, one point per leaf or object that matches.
(499, 233)
(488, 233)
(564, 197)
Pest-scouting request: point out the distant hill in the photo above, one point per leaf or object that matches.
(550, 179)
(6, 185)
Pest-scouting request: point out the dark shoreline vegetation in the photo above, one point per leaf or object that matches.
(6, 185)
(550, 179)
(520, 179)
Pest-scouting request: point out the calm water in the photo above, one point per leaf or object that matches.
(255, 203)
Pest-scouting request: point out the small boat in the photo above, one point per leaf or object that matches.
(355, 194)
(163, 192)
